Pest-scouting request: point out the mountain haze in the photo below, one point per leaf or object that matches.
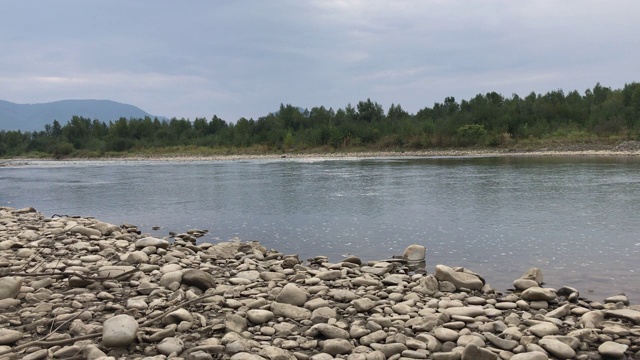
(33, 117)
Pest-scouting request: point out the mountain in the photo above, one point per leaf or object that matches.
(33, 117)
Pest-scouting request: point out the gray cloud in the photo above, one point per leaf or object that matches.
(244, 58)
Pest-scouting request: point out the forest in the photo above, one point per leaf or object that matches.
(599, 116)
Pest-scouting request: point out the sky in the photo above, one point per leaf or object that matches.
(233, 59)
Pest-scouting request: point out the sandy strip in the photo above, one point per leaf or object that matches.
(339, 155)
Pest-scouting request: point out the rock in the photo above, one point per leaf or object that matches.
(8, 336)
(444, 334)
(10, 287)
(177, 316)
(352, 260)
(538, 294)
(246, 356)
(533, 355)
(259, 317)
(235, 323)
(290, 311)
(198, 278)
(557, 348)
(459, 279)
(171, 277)
(592, 319)
(504, 344)
(543, 329)
(625, 314)
(88, 232)
(327, 331)
(170, 346)
(323, 315)
(618, 298)
(414, 253)
(329, 275)
(473, 352)
(523, 284)
(389, 349)
(469, 311)
(337, 346)
(275, 353)
(363, 305)
(152, 241)
(292, 294)
(119, 331)
(138, 257)
(112, 271)
(534, 274)
(611, 349)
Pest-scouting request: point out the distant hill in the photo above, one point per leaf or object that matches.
(33, 117)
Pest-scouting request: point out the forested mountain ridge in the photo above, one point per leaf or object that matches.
(598, 116)
(33, 117)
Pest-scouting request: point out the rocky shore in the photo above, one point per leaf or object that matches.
(79, 288)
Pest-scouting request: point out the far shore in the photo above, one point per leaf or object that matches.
(181, 157)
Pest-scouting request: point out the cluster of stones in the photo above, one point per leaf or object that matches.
(81, 288)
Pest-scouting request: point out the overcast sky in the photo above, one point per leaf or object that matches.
(243, 58)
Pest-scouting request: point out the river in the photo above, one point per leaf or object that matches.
(576, 218)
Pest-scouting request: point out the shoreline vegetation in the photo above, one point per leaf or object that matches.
(76, 287)
(601, 118)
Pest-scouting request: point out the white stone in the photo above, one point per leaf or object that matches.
(119, 331)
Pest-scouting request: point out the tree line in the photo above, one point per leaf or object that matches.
(486, 120)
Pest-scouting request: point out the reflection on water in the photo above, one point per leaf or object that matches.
(575, 218)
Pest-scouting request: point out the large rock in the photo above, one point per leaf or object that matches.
(612, 349)
(259, 317)
(543, 329)
(199, 279)
(8, 336)
(119, 331)
(414, 253)
(538, 294)
(290, 311)
(625, 314)
(152, 241)
(10, 287)
(532, 355)
(458, 278)
(292, 294)
(473, 352)
(557, 348)
(534, 274)
(337, 346)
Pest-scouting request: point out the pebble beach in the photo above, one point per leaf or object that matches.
(80, 288)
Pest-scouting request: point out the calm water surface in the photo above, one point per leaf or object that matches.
(575, 218)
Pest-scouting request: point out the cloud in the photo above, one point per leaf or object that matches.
(244, 58)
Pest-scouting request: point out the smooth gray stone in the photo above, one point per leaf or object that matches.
(337, 346)
(625, 314)
(457, 278)
(290, 311)
(612, 349)
(557, 348)
(10, 287)
(473, 352)
(292, 294)
(119, 331)
(415, 253)
(504, 344)
(8, 336)
(259, 317)
(543, 329)
(533, 355)
(198, 278)
(170, 345)
(538, 294)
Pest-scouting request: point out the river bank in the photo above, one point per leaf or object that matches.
(178, 157)
(74, 287)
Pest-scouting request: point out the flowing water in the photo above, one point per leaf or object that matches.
(575, 218)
